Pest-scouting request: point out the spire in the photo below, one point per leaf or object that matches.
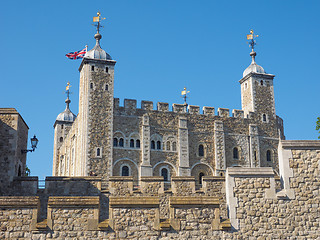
(253, 67)
(252, 43)
(68, 101)
(67, 115)
(97, 52)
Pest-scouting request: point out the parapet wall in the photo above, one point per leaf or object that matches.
(260, 204)
(130, 107)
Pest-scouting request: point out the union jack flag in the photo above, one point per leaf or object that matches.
(76, 55)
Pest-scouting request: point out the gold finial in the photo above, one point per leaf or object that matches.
(68, 86)
(251, 37)
(184, 94)
(98, 19)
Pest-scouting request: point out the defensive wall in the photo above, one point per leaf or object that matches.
(248, 203)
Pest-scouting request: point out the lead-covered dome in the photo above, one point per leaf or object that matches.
(66, 115)
(253, 67)
(97, 52)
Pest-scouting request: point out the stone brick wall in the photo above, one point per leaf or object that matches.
(258, 207)
(13, 139)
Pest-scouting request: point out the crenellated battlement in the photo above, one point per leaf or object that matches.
(130, 107)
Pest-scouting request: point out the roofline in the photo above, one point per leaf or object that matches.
(86, 60)
(12, 111)
(265, 75)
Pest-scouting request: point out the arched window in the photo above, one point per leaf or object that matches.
(261, 82)
(168, 146)
(107, 69)
(92, 68)
(201, 175)
(174, 146)
(264, 117)
(98, 152)
(131, 143)
(235, 153)
(91, 85)
(269, 156)
(153, 145)
(137, 143)
(165, 174)
(61, 139)
(106, 87)
(201, 150)
(255, 155)
(115, 142)
(62, 126)
(158, 145)
(121, 142)
(125, 171)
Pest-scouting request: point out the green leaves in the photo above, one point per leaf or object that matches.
(318, 126)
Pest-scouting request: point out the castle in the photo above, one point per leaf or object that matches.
(122, 172)
(107, 139)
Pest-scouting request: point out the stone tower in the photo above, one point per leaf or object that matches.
(61, 126)
(95, 118)
(257, 94)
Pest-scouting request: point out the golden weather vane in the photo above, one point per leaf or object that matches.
(68, 89)
(184, 94)
(252, 37)
(98, 19)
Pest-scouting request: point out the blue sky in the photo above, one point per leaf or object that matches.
(160, 47)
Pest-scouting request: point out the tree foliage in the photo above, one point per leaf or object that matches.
(318, 126)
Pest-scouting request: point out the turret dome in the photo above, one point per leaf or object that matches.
(253, 67)
(97, 52)
(66, 115)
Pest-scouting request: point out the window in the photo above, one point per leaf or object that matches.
(61, 139)
(269, 156)
(158, 145)
(92, 68)
(106, 87)
(62, 126)
(121, 142)
(201, 175)
(107, 69)
(91, 85)
(165, 174)
(201, 150)
(125, 171)
(174, 146)
(98, 152)
(235, 153)
(168, 146)
(153, 145)
(131, 143)
(245, 86)
(115, 142)
(19, 171)
(255, 155)
(264, 117)
(261, 82)
(137, 143)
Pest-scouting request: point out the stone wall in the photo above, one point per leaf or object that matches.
(258, 207)
(13, 139)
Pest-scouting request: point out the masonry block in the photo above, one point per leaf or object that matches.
(223, 112)
(208, 111)
(147, 105)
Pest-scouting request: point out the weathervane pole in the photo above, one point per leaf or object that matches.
(184, 96)
(98, 20)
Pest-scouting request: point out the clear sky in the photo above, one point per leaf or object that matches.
(160, 47)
